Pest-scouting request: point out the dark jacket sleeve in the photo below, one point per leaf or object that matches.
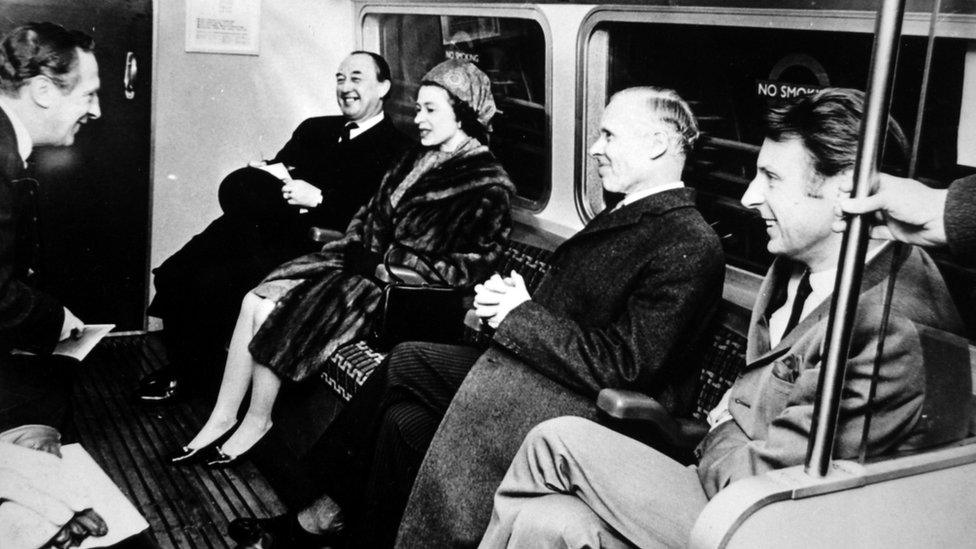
(29, 319)
(630, 352)
(291, 153)
(960, 220)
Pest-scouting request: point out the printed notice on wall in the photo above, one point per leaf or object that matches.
(223, 26)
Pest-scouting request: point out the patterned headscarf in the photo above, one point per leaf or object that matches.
(468, 84)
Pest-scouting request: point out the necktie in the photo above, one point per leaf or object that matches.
(346, 132)
(802, 293)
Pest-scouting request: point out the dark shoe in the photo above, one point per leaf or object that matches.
(188, 456)
(161, 386)
(282, 531)
(221, 460)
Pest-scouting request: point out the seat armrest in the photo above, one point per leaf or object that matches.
(406, 274)
(634, 406)
(321, 235)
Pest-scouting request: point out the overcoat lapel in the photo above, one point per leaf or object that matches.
(758, 351)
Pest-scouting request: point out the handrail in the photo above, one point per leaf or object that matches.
(843, 303)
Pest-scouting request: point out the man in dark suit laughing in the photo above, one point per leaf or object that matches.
(335, 164)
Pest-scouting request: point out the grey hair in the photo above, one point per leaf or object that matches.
(667, 107)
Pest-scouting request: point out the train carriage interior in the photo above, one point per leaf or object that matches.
(142, 180)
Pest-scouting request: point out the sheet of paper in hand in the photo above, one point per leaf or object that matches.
(78, 347)
(278, 170)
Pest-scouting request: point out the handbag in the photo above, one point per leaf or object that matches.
(419, 312)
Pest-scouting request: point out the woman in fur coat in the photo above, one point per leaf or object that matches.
(448, 199)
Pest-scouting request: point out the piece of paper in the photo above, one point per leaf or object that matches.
(79, 347)
(277, 169)
(122, 518)
(223, 26)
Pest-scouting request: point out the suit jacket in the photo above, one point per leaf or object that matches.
(29, 319)
(960, 219)
(923, 392)
(621, 307)
(347, 173)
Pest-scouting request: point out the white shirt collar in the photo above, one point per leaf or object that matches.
(635, 196)
(24, 142)
(821, 284)
(365, 125)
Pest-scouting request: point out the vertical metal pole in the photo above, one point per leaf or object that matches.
(843, 303)
(923, 96)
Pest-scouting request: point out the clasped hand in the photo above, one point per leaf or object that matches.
(494, 299)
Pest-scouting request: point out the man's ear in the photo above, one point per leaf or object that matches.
(840, 184)
(41, 91)
(659, 145)
(385, 88)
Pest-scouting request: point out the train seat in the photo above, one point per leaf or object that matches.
(642, 417)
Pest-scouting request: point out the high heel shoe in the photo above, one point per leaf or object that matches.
(188, 456)
(221, 460)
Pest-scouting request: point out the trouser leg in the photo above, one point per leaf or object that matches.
(402, 440)
(645, 496)
(562, 521)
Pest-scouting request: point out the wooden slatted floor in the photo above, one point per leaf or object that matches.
(186, 507)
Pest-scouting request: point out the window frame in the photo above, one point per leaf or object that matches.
(367, 37)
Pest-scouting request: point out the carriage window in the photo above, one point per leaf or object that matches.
(510, 51)
(728, 75)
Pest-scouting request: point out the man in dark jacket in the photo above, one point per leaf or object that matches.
(622, 306)
(48, 90)
(574, 483)
(335, 165)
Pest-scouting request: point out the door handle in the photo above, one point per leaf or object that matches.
(129, 78)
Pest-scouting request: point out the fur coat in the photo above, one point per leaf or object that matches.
(456, 214)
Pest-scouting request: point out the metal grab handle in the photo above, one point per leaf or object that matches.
(129, 77)
(843, 303)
